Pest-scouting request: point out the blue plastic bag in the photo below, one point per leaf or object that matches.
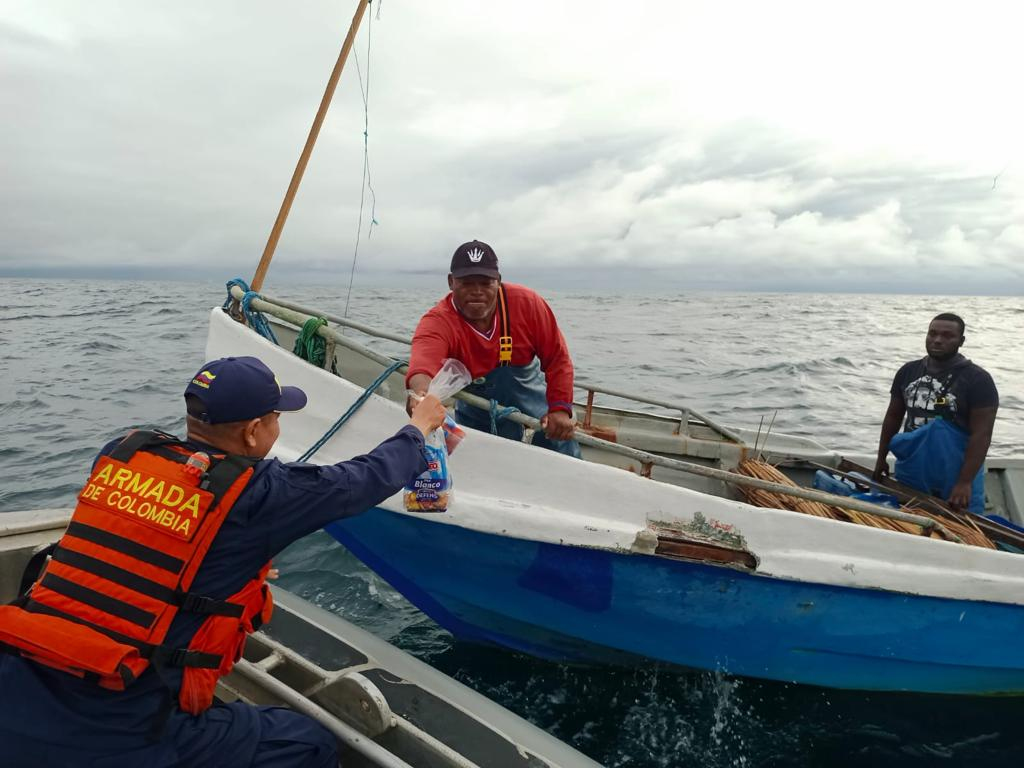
(826, 481)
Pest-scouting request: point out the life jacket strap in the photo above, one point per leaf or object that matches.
(224, 474)
(138, 439)
(99, 601)
(126, 546)
(169, 657)
(194, 603)
(122, 576)
(159, 654)
(32, 606)
(183, 657)
(34, 567)
(187, 601)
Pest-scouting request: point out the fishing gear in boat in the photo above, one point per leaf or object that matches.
(760, 497)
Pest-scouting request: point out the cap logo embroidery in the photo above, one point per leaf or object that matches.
(204, 379)
(475, 255)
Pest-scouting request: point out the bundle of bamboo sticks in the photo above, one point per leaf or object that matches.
(762, 470)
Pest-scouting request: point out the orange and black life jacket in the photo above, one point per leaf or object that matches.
(102, 606)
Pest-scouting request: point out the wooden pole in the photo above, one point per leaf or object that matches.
(314, 132)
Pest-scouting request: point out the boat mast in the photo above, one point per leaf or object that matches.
(314, 131)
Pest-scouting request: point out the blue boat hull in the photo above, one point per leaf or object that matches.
(594, 606)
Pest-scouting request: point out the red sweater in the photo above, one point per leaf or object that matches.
(442, 332)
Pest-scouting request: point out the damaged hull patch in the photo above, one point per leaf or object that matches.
(703, 540)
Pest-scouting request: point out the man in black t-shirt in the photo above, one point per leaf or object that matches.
(945, 386)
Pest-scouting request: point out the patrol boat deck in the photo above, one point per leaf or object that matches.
(387, 708)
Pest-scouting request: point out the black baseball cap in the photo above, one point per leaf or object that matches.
(475, 258)
(238, 389)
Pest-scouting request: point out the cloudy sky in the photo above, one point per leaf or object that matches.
(721, 145)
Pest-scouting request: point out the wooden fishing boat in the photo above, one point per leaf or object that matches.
(582, 561)
(386, 708)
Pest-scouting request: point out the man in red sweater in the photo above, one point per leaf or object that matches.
(509, 339)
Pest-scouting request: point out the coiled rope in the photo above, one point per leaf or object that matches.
(310, 345)
(255, 319)
(351, 410)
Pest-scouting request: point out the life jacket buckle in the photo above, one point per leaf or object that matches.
(198, 603)
(209, 606)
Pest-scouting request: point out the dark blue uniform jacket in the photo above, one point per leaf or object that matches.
(282, 503)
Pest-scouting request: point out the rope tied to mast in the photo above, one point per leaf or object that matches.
(254, 319)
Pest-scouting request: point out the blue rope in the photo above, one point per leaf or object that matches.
(351, 410)
(255, 319)
(498, 414)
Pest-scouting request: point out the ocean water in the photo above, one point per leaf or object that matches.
(84, 361)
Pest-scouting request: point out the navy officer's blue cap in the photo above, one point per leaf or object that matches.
(240, 388)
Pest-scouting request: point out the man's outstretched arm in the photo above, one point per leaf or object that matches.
(431, 344)
(418, 383)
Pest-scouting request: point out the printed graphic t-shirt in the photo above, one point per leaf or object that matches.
(965, 386)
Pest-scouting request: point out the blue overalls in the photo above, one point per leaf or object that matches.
(930, 458)
(522, 387)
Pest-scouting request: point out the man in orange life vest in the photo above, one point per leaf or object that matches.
(508, 338)
(112, 656)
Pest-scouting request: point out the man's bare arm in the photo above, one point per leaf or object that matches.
(890, 426)
(981, 423)
(418, 384)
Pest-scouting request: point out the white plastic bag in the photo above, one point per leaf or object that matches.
(451, 378)
(431, 491)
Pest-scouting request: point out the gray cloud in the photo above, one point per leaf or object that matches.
(159, 139)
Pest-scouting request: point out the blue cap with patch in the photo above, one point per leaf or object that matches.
(237, 389)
